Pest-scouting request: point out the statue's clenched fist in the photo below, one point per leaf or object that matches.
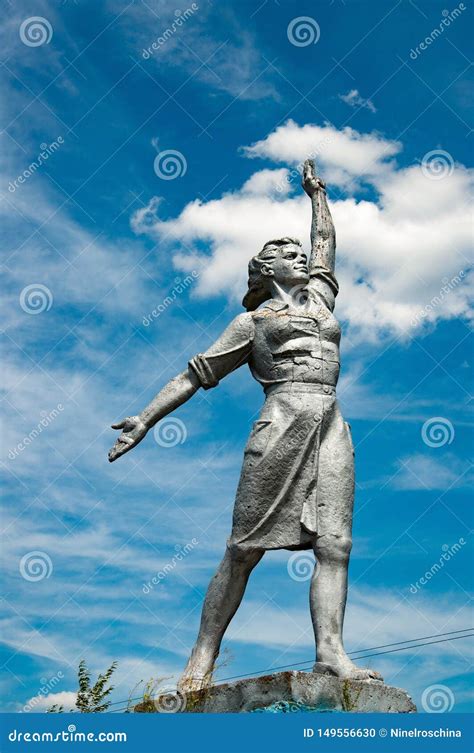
(311, 183)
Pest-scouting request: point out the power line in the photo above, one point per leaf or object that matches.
(413, 644)
(350, 653)
(413, 641)
(404, 648)
(416, 645)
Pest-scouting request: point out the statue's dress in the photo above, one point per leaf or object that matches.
(297, 479)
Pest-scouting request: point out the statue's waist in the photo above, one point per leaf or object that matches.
(296, 367)
(307, 387)
(326, 353)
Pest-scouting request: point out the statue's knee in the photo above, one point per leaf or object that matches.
(345, 545)
(331, 547)
(245, 555)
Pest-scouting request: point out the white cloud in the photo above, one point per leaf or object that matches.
(342, 154)
(41, 703)
(264, 182)
(425, 472)
(354, 99)
(402, 258)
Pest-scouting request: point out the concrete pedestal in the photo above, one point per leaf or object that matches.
(319, 692)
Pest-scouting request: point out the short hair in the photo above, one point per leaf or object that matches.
(257, 291)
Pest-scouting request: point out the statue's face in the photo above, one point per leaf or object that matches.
(290, 267)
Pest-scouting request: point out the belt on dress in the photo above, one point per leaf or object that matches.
(320, 389)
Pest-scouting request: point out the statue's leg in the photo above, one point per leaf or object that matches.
(332, 548)
(328, 596)
(223, 598)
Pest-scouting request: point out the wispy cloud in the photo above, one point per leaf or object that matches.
(217, 51)
(354, 99)
(426, 472)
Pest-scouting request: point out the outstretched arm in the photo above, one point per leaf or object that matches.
(205, 370)
(323, 234)
(135, 428)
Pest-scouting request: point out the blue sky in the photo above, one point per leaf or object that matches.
(109, 241)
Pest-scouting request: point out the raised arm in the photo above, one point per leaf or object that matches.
(323, 234)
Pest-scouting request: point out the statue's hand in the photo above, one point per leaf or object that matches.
(311, 183)
(133, 432)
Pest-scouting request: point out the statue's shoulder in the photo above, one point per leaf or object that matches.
(270, 309)
(243, 325)
(245, 319)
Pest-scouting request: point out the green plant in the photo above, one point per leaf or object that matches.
(154, 698)
(148, 691)
(91, 699)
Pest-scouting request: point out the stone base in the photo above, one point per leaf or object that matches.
(320, 692)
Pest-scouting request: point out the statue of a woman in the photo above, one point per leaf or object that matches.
(296, 489)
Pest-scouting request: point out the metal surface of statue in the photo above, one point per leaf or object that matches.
(296, 489)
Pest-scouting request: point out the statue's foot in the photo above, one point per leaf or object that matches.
(189, 683)
(198, 672)
(341, 666)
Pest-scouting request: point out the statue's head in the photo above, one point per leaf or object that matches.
(282, 261)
